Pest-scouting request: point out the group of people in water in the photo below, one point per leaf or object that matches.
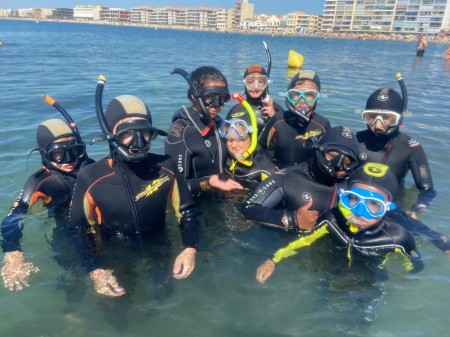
(297, 173)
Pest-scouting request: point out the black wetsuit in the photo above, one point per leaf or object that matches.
(377, 241)
(265, 123)
(288, 137)
(250, 172)
(51, 186)
(198, 157)
(113, 199)
(401, 153)
(274, 202)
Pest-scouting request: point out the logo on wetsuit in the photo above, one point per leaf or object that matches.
(153, 187)
(309, 134)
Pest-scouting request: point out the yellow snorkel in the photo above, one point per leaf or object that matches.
(238, 97)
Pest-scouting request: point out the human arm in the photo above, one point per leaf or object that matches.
(417, 227)
(264, 271)
(264, 205)
(186, 212)
(420, 169)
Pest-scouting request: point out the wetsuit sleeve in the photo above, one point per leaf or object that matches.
(303, 241)
(81, 220)
(264, 135)
(264, 205)
(420, 169)
(419, 228)
(177, 147)
(12, 224)
(186, 212)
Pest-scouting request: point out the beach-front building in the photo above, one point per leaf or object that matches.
(386, 16)
(87, 13)
(302, 23)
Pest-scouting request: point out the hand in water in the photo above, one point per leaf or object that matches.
(15, 271)
(265, 271)
(105, 283)
(306, 219)
(227, 185)
(184, 263)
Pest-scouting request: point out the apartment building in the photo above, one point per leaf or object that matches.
(386, 16)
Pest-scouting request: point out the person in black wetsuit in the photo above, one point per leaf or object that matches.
(267, 111)
(63, 154)
(193, 139)
(245, 163)
(359, 223)
(293, 198)
(299, 123)
(383, 142)
(125, 194)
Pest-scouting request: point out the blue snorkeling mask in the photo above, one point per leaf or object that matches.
(234, 127)
(364, 203)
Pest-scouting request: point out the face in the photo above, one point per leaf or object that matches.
(213, 111)
(333, 154)
(381, 122)
(255, 84)
(67, 167)
(305, 86)
(235, 146)
(360, 221)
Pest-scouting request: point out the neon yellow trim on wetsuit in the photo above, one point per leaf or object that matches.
(252, 116)
(407, 263)
(304, 241)
(247, 163)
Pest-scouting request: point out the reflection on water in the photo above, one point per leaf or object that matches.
(310, 294)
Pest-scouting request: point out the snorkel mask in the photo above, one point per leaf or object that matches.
(210, 97)
(49, 132)
(238, 126)
(133, 137)
(293, 96)
(385, 107)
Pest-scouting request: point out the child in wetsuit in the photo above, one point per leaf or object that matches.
(359, 223)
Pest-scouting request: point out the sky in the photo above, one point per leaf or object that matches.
(261, 6)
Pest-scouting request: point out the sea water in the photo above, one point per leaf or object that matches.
(221, 297)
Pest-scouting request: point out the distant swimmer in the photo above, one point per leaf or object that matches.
(422, 44)
(446, 54)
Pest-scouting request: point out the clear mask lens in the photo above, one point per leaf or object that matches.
(340, 161)
(142, 136)
(62, 153)
(364, 203)
(256, 82)
(239, 128)
(387, 118)
(309, 96)
(215, 97)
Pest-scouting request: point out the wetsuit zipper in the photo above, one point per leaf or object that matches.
(133, 204)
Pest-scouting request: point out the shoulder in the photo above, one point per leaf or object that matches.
(413, 143)
(320, 120)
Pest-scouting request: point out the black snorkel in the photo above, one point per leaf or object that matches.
(269, 64)
(204, 113)
(108, 135)
(404, 91)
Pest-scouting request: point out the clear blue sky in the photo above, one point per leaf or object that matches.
(261, 6)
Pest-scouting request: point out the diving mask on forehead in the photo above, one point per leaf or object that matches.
(215, 97)
(387, 118)
(365, 203)
(256, 82)
(234, 127)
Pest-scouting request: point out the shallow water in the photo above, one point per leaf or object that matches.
(221, 298)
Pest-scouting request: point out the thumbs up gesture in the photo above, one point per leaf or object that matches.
(306, 219)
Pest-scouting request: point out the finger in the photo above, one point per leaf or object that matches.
(308, 204)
